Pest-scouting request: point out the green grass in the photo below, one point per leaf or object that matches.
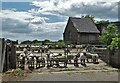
(18, 72)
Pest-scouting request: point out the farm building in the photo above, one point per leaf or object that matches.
(102, 26)
(80, 31)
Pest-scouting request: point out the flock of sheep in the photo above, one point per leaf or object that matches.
(51, 59)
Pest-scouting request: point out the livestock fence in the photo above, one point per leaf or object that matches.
(9, 60)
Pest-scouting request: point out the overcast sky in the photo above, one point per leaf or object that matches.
(46, 19)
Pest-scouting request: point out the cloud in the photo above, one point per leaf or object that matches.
(26, 26)
(15, 26)
(49, 18)
(102, 8)
(12, 14)
(17, 0)
(37, 20)
(51, 31)
(20, 0)
(16, 22)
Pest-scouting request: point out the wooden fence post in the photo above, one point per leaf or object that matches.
(0, 55)
(13, 57)
(3, 54)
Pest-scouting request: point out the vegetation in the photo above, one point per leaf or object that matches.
(18, 72)
(110, 37)
(88, 16)
(102, 21)
(45, 42)
(115, 43)
(26, 42)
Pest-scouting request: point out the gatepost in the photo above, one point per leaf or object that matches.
(0, 60)
(119, 32)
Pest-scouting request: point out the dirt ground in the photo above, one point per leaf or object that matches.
(93, 72)
(76, 76)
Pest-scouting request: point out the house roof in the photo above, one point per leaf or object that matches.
(84, 25)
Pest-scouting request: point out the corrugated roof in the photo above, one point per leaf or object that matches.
(84, 25)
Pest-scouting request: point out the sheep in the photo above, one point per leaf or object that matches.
(51, 58)
(40, 60)
(93, 56)
(21, 61)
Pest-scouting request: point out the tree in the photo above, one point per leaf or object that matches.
(35, 41)
(26, 42)
(45, 41)
(60, 42)
(115, 43)
(102, 21)
(110, 36)
(88, 16)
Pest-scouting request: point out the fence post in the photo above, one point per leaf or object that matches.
(3, 53)
(13, 56)
(0, 55)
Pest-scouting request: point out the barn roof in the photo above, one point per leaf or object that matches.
(84, 25)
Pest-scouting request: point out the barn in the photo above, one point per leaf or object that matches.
(80, 31)
(102, 26)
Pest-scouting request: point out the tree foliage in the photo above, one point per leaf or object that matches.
(115, 43)
(26, 42)
(60, 42)
(88, 16)
(110, 36)
(35, 41)
(45, 42)
(102, 21)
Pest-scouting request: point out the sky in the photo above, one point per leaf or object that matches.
(46, 19)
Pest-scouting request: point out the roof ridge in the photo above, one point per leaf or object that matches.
(84, 22)
(75, 17)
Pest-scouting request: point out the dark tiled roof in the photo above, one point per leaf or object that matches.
(84, 25)
(102, 26)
